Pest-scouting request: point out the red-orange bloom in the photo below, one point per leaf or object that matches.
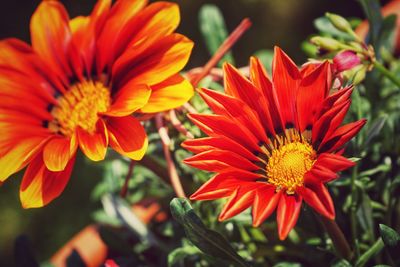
(273, 144)
(79, 84)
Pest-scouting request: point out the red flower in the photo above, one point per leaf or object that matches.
(273, 144)
(79, 84)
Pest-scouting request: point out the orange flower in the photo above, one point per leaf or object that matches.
(79, 84)
(273, 144)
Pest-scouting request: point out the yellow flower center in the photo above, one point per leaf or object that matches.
(79, 107)
(288, 163)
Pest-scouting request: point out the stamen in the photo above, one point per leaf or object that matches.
(80, 106)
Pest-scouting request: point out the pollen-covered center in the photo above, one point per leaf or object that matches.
(288, 164)
(79, 107)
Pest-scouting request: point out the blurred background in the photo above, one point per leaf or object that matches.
(286, 23)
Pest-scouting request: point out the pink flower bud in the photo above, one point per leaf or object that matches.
(345, 60)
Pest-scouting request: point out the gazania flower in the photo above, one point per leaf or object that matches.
(79, 84)
(273, 143)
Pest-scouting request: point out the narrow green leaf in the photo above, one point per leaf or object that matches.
(341, 263)
(213, 28)
(391, 239)
(375, 128)
(179, 254)
(208, 241)
(325, 26)
(372, 10)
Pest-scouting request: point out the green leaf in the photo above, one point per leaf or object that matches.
(288, 264)
(213, 28)
(386, 33)
(391, 239)
(389, 236)
(341, 263)
(372, 10)
(208, 241)
(375, 128)
(178, 254)
(114, 241)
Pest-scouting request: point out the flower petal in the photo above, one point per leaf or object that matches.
(129, 99)
(240, 200)
(58, 152)
(341, 136)
(265, 202)
(52, 41)
(222, 185)
(154, 65)
(127, 137)
(286, 79)
(40, 186)
(312, 91)
(217, 160)
(169, 94)
(318, 197)
(287, 214)
(16, 156)
(94, 145)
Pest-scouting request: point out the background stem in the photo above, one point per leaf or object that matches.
(375, 249)
(390, 75)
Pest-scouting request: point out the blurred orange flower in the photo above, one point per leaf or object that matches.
(79, 84)
(273, 144)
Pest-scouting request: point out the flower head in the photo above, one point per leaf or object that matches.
(273, 143)
(79, 84)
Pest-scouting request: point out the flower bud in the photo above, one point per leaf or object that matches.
(339, 22)
(346, 60)
(326, 43)
(356, 75)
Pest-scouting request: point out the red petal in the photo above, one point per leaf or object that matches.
(287, 214)
(127, 137)
(319, 173)
(286, 79)
(335, 99)
(238, 86)
(313, 89)
(221, 185)
(209, 143)
(329, 122)
(334, 162)
(217, 125)
(58, 152)
(341, 136)
(265, 202)
(219, 160)
(226, 105)
(318, 197)
(40, 186)
(269, 110)
(94, 146)
(240, 200)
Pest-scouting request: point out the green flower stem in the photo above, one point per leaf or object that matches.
(339, 241)
(353, 210)
(390, 75)
(375, 249)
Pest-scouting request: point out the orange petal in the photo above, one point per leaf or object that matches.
(319, 198)
(169, 94)
(52, 41)
(40, 186)
(128, 99)
(19, 155)
(121, 12)
(127, 137)
(159, 62)
(287, 214)
(154, 22)
(58, 151)
(94, 146)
